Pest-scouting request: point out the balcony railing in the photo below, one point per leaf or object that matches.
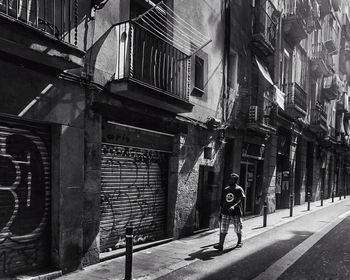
(263, 117)
(346, 24)
(343, 103)
(320, 59)
(295, 15)
(144, 58)
(331, 87)
(331, 34)
(296, 100)
(332, 132)
(55, 17)
(318, 121)
(265, 27)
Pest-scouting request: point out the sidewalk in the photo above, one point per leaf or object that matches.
(157, 261)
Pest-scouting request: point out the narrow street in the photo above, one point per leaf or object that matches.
(275, 250)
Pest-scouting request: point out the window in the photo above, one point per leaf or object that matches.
(233, 70)
(199, 73)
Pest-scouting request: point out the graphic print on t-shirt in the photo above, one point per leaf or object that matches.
(230, 197)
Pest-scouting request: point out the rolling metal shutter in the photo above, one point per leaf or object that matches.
(24, 196)
(133, 192)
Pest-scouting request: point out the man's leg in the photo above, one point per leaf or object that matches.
(237, 222)
(225, 222)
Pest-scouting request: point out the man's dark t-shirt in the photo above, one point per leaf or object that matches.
(231, 195)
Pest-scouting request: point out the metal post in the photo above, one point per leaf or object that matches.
(339, 195)
(332, 196)
(322, 198)
(291, 206)
(128, 252)
(265, 214)
(308, 201)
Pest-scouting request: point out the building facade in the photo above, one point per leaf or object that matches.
(118, 113)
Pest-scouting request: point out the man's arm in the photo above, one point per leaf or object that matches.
(237, 203)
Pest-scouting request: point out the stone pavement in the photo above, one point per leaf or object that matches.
(160, 260)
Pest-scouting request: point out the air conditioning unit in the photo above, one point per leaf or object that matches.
(253, 114)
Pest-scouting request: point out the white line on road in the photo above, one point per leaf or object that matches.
(342, 216)
(274, 271)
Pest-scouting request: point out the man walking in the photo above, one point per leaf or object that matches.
(231, 210)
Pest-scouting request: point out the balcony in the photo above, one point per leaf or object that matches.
(42, 31)
(318, 122)
(331, 34)
(319, 59)
(346, 25)
(331, 87)
(325, 7)
(294, 20)
(263, 118)
(295, 103)
(336, 5)
(150, 70)
(332, 134)
(343, 103)
(265, 27)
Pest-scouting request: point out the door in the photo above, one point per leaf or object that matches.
(133, 192)
(203, 207)
(25, 196)
(247, 181)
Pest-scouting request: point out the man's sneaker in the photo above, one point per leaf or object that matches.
(219, 247)
(239, 245)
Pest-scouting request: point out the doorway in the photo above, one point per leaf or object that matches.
(247, 181)
(206, 182)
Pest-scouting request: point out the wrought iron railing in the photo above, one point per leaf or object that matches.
(319, 117)
(296, 7)
(332, 132)
(56, 17)
(269, 112)
(295, 95)
(331, 33)
(319, 51)
(143, 57)
(265, 23)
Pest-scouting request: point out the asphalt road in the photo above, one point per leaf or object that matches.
(327, 259)
(315, 246)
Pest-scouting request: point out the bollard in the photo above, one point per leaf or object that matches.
(332, 196)
(265, 214)
(339, 195)
(128, 252)
(308, 201)
(291, 206)
(344, 193)
(321, 198)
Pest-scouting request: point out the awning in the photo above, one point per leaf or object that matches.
(164, 23)
(264, 71)
(280, 95)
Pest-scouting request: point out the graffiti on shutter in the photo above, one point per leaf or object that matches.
(133, 192)
(24, 198)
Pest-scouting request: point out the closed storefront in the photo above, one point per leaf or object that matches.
(133, 185)
(25, 192)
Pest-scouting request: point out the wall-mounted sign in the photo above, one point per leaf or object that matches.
(136, 137)
(278, 182)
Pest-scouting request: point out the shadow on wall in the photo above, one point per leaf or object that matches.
(214, 199)
(96, 52)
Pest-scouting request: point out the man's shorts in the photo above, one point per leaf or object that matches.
(236, 221)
